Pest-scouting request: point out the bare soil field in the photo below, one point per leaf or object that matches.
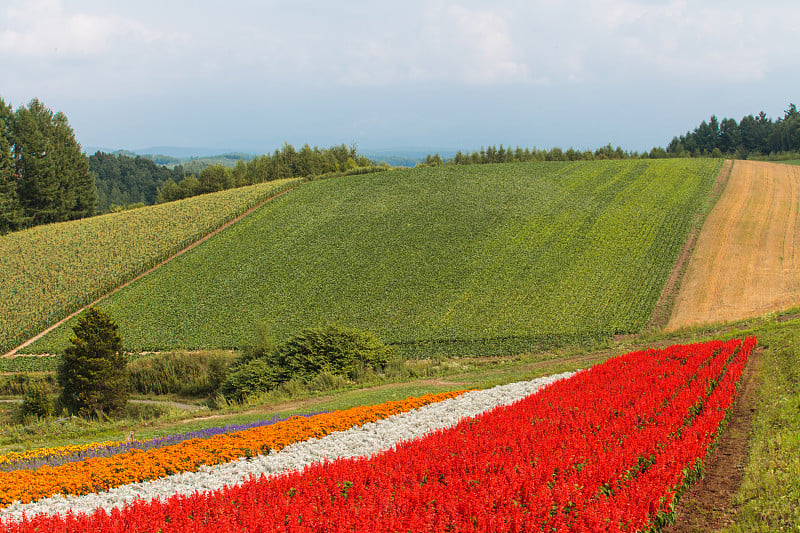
(747, 258)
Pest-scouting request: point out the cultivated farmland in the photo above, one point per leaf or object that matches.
(50, 271)
(747, 259)
(469, 260)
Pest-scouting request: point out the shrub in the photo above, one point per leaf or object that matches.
(320, 356)
(335, 349)
(182, 373)
(248, 379)
(36, 402)
(92, 372)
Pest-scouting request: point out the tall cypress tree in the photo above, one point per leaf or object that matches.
(92, 372)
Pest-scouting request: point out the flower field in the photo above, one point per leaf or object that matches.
(101, 473)
(606, 450)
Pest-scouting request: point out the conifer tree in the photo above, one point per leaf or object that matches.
(53, 182)
(9, 205)
(92, 372)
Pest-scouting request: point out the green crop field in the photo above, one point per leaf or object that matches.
(50, 271)
(464, 259)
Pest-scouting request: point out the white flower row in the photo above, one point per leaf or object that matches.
(365, 440)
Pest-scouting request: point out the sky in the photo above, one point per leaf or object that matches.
(250, 75)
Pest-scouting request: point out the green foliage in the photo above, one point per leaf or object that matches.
(52, 182)
(335, 349)
(50, 271)
(468, 260)
(288, 162)
(17, 384)
(36, 402)
(181, 373)
(92, 373)
(250, 378)
(124, 180)
(320, 356)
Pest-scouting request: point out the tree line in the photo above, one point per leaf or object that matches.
(287, 162)
(44, 174)
(493, 154)
(753, 136)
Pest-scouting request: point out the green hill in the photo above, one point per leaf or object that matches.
(483, 259)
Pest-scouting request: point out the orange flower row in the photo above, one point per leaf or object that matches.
(103, 473)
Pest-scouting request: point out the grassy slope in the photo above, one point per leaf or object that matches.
(483, 259)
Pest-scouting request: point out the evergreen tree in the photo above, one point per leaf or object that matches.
(78, 192)
(92, 372)
(9, 205)
(53, 179)
(37, 186)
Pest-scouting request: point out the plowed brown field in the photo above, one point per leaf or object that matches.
(747, 259)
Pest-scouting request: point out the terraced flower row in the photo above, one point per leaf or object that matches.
(606, 450)
(38, 457)
(101, 473)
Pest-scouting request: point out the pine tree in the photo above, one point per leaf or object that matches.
(92, 372)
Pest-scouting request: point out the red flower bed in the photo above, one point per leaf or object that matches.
(606, 450)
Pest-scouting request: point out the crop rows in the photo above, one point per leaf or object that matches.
(606, 450)
(50, 271)
(479, 259)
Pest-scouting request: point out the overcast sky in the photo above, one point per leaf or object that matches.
(251, 75)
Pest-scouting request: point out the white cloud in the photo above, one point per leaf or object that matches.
(42, 29)
(481, 44)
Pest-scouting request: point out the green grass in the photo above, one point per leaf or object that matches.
(770, 494)
(50, 271)
(470, 260)
(767, 500)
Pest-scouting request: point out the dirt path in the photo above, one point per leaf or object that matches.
(747, 259)
(707, 505)
(15, 351)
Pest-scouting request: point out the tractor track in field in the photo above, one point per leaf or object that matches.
(182, 251)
